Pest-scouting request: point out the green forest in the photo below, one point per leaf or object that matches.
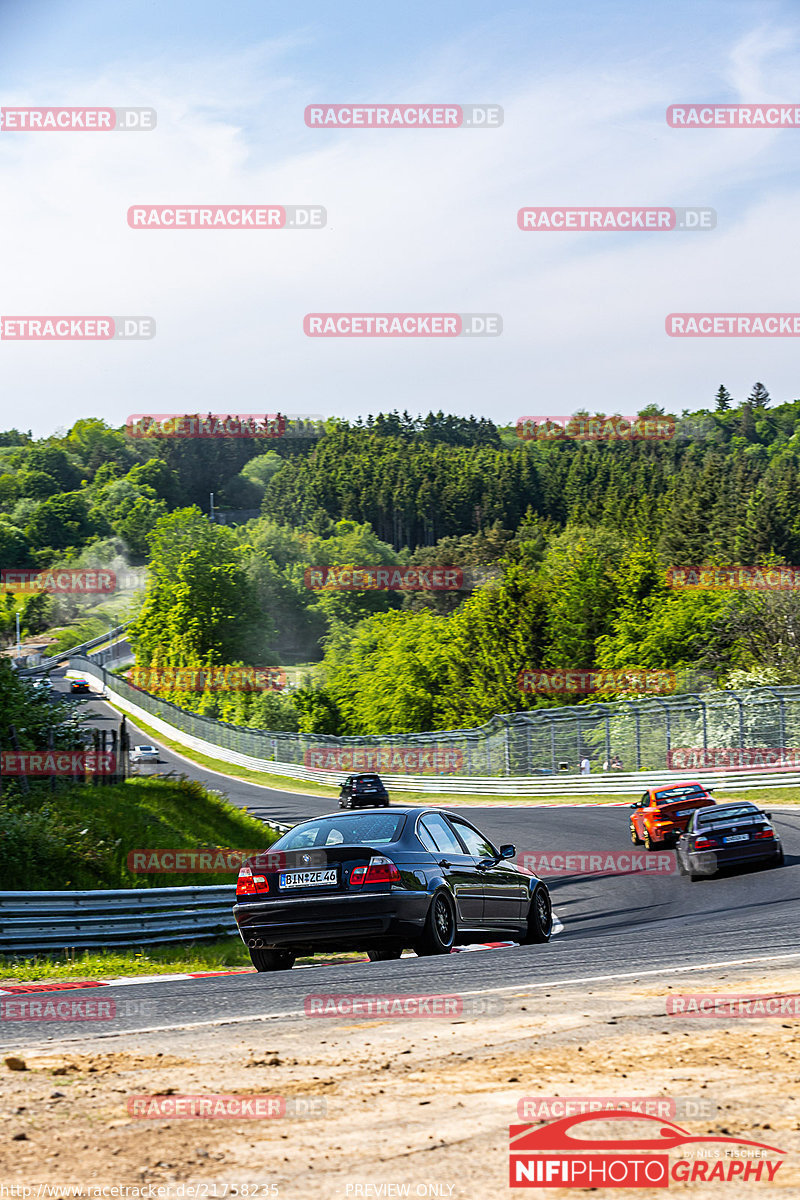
(565, 544)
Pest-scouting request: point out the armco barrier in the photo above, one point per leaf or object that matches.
(31, 921)
(48, 662)
(185, 728)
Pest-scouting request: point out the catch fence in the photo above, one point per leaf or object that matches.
(710, 731)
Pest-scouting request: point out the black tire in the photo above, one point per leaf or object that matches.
(779, 859)
(540, 917)
(440, 927)
(649, 844)
(681, 865)
(385, 953)
(637, 841)
(272, 960)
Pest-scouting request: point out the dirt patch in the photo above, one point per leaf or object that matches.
(423, 1104)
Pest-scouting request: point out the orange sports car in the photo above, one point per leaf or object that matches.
(662, 814)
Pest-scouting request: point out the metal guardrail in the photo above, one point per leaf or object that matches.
(608, 783)
(31, 921)
(48, 662)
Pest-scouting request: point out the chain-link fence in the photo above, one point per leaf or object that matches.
(758, 727)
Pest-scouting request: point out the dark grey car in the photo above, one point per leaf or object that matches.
(727, 835)
(382, 882)
(363, 791)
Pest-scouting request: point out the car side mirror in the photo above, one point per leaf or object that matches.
(635, 805)
(509, 851)
(768, 814)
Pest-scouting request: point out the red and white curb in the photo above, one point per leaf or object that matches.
(17, 989)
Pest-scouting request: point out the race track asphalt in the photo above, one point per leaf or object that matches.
(620, 925)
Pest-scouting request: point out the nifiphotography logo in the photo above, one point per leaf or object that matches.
(562, 1154)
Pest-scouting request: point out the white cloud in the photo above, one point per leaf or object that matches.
(416, 221)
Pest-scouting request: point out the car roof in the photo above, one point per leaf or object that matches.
(678, 791)
(720, 810)
(397, 809)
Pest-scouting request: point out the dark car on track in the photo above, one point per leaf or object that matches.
(362, 791)
(79, 685)
(381, 882)
(727, 835)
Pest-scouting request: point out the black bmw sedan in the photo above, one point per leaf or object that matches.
(384, 881)
(727, 835)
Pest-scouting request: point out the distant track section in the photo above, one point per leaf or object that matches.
(164, 721)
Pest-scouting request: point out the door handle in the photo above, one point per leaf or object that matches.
(445, 863)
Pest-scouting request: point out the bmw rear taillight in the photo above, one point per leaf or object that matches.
(704, 843)
(766, 833)
(249, 884)
(379, 870)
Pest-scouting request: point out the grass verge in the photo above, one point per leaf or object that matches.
(81, 836)
(225, 954)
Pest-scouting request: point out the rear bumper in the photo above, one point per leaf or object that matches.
(347, 922)
(707, 862)
(665, 837)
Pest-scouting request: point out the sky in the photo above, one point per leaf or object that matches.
(421, 221)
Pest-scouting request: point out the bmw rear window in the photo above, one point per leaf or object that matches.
(351, 829)
(721, 816)
(679, 793)
(369, 780)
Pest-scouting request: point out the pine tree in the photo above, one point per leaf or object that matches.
(723, 398)
(759, 397)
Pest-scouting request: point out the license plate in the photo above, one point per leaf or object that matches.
(300, 879)
(738, 837)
